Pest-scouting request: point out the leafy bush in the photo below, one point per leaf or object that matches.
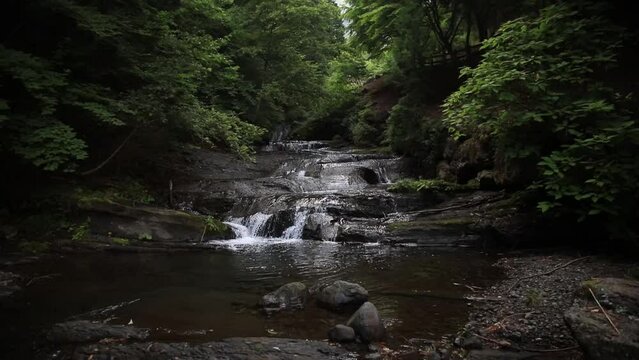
(412, 131)
(539, 95)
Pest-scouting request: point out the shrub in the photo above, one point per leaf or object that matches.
(540, 96)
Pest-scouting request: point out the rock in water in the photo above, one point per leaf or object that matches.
(341, 333)
(289, 296)
(342, 294)
(83, 331)
(367, 323)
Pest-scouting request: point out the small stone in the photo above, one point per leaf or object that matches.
(341, 333)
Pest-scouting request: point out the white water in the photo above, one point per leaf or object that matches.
(295, 231)
(249, 231)
(250, 226)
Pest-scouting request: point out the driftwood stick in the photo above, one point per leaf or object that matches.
(203, 233)
(49, 276)
(546, 272)
(604, 312)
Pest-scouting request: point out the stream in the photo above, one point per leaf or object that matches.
(316, 215)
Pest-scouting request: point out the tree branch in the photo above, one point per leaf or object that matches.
(117, 150)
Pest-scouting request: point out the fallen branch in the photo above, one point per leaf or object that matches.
(203, 233)
(105, 310)
(604, 311)
(117, 150)
(37, 278)
(546, 272)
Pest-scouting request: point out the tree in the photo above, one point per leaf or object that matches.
(284, 48)
(543, 95)
(108, 65)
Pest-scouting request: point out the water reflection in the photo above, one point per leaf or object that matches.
(213, 295)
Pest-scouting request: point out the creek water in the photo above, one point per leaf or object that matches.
(321, 194)
(208, 296)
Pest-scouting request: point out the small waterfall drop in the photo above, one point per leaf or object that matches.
(295, 231)
(250, 226)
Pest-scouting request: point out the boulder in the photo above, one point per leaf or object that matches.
(597, 338)
(620, 295)
(156, 224)
(367, 323)
(342, 294)
(289, 296)
(341, 333)
(83, 331)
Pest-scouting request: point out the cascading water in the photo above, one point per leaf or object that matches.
(317, 193)
(250, 226)
(296, 230)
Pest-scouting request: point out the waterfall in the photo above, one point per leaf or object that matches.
(295, 231)
(250, 226)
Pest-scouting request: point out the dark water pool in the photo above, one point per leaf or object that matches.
(212, 295)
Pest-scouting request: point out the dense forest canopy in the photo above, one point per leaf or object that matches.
(539, 95)
(214, 72)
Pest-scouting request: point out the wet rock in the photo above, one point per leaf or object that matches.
(367, 323)
(468, 342)
(83, 331)
(487, 180)
(360, 232)
(597, 337)
(444, 172)
(289, 296)
(8, 283)
(342, 294)
(621, 295)
(229, 349)
(278, 223)
(321, 227)
(341, 333)
(156, 224)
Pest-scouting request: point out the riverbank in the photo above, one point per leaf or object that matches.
(523, 316)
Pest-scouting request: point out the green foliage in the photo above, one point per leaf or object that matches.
(215, 226)
(540, 96)
(428, 185)
(412, 130)
(79, 232)
(368, 126)
(284, 48)
(34, 247)
(145, 237)
(212, 72)
(127, 191)
(121, 241)
(534, 297)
